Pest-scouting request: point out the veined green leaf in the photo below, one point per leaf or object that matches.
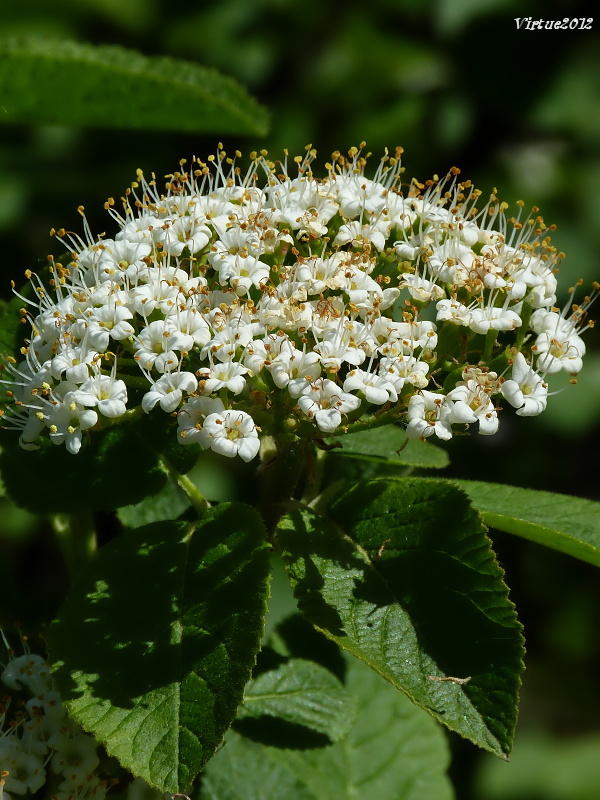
(302, 693)
(157, 639)
(406, 581)
(389, 444)
(565, 523)
(394, 751)
(48, 81)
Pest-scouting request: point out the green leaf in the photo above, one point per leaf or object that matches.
(406, 581)
(117, 467)
(394, 751)
(46, 81)
(388, 444)
(105, 474)
(166, 504)
(565, 523)
(302, 693)
(155, 642)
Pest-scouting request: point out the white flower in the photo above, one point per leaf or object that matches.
(230, 433)
(422, 289)
(67, 420)
(156, 345)
(319, 274)
(224, 285)
(99, 325)
(105, 393)
(404, 369)
(428, 414)
(177, 233)
(453, 311)
(223, 375)
(324, 402)
(73, 362)
(376, 388)
(25, 770)
(497, 318)
(76, 758)
(563, 350)
(168, 391)
(526, 390)
(356, 234)
(193, 413)
(30, 671)
(471, 403)
(294, 370)
(350, 343)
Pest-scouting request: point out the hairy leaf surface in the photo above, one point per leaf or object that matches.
(156, 641)
(302, 693)
(394, 751)
(404, 578)
(64, 82)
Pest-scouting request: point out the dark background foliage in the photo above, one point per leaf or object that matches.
(454, 83)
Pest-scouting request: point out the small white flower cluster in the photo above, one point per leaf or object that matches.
(295, 306)
(39, 744)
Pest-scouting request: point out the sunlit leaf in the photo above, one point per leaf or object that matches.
(64, 82)
(565, 523)
(301, 693)
(394, 751)
(154, 644)
(406, 580)
(388, 444)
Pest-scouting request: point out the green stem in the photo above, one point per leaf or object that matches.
(369, 423)
(526, 312)
(76, 536)
(284, 461)
(194, 495)
(490, 341)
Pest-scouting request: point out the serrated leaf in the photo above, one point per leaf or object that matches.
(64, 82)
(155, 642)
(389, 445)
(406, 580)
(565, 523)
(302, 693)
(394, 751)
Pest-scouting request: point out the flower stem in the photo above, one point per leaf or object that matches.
(490, 341)
(282, 467)
(526, 312)
(194, 495)
(369, 423)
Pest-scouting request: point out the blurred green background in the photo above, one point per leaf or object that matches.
(455, 83)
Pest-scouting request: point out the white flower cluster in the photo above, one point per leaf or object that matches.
(38, 742)
(241, 302)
